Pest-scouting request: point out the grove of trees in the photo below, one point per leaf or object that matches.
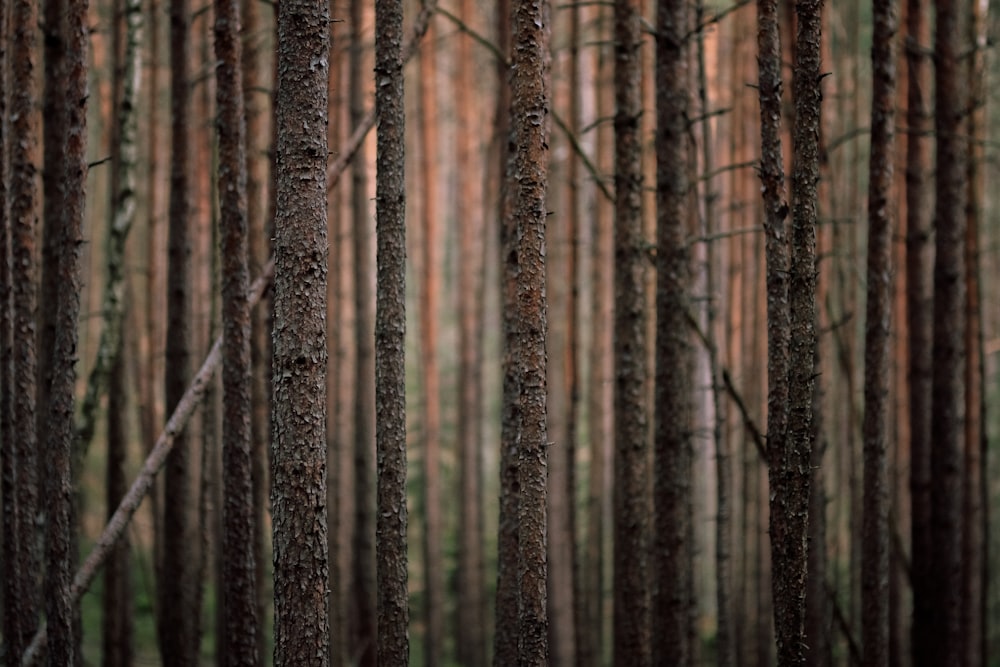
(640, 333)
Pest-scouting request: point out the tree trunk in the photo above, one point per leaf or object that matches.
(505, 619)
(919, 321)
(177, 587)
(948, 349)
(390, 330)
(789, 470)
(631, 621)
(258, 251)
(528, 181)
(70, 169)
(674, 359)
(875, 532)
(238, 634)
(298, 497)
(22, 594)
(8, 470)
(430, 285)
(973, 482)
(363, 597)
(471, 640)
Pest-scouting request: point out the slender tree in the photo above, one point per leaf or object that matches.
(875, 531)
(788, 473)
(528, 180)
(258, 251)
(61, 543)
(672, 590)
(22, 556)
(948, 347)
(238, 633)
(177, 585)
(390, 329)
(506, 632)
(631, 469)
(975, 446)
(919, 318)
(298, 496)
(363, 613)
(430, 435)
(470, 635)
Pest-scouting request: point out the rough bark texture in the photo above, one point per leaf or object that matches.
(298, 496)
(948, 348)
(390, 330)
(530, 100)
(918, 319)
(177, 586)
(672, 587)
(789, 473)
(71, 167)
(6, 335)
(506, 631)
(772, 176)
(875, 527)
(631, 468)
(471, 619)
(363, 614)
(21, 594)
(238, 634)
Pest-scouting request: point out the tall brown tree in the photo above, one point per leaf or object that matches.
(471, 619)
(298, 496)
(875, 531)
(948, 347)
(61, 542)
(919, 317)
(528, 181)
(631, 469)
(789, 473)
(21, 594)
(238, 633)
(177, 588)
(363, 614)
(505, 631)
(7, 470)
(390, 330)
(975, 446)
(672, 444)
(430, 434)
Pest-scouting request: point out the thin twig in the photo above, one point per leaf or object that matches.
(578, 149)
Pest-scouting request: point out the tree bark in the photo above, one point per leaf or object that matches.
(177, 586)
(948, 348)
(70, 88)
(671, 567)
(22, 594)
(390, 330)
(875, 531)
(528, 180)
(973, 480)
(919, 320)
(298, 496)
(8, 470)
(238, 633)
(363, 604)
(631, 468)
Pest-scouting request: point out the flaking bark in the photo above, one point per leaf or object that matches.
(298, 495)
(390, 330)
